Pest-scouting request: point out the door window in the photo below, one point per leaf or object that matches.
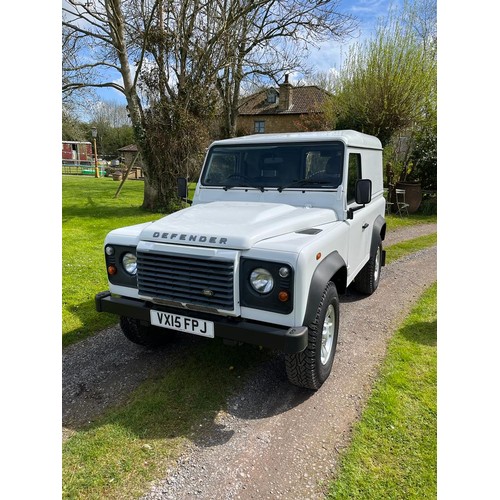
(353, 174)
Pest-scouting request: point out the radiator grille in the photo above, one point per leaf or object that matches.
(192, 280)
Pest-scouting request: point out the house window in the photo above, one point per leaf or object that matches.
(271, 97)
(259, 126)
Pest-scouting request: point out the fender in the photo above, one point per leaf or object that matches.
(379, 227)
(329, 267)
(378, 234)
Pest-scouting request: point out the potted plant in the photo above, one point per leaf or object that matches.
(117, 175)
(412, 187)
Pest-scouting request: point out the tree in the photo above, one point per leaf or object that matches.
(326, 80)
(74, 97)
(389, 82)
(111, 113)
(424, 154)
(72, 128)
(110, 134)
(174, 60)
(423, 22)
(113, 126)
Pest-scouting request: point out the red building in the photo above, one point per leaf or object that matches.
(77, 153)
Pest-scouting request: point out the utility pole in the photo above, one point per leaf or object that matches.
(94, 135)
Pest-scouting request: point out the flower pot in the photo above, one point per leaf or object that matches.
(117, 176)
(413, 194)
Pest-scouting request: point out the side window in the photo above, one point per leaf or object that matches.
(353, 174)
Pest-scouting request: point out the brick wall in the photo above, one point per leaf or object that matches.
(273, 123)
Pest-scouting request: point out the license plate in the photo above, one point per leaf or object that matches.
(179, 323)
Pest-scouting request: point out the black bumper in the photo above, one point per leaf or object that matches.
(288, 340)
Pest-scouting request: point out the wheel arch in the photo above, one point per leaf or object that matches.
(332, 268)
(379, 229)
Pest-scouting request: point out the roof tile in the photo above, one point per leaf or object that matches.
(305, 99)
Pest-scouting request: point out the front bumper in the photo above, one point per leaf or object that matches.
(288, 340)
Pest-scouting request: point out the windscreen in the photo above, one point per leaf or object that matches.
(279, 166)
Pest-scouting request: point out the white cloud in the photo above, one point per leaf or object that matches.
(330, 55)
(368, 6)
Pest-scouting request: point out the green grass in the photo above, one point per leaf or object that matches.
(118, 455)
(399, 250)
(397, 222)
(393, 450)
(89, 212)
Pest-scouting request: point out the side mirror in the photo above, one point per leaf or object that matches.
(182, 189)
(363, 193)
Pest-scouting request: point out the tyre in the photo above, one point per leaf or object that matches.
(143, 335)
(368, 278)
(311, 367)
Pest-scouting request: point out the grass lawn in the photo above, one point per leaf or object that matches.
(393, 452)
(398, 250)
(397, 222)
(89, 212)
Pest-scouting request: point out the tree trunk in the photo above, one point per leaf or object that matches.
(150, 201)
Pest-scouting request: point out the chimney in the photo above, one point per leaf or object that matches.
(285, 102)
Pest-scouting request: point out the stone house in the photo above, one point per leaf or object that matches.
(283, 109)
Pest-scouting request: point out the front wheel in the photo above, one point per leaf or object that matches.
(311, 367)
(140, 334)
(368, 278)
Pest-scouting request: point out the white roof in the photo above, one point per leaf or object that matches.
(348, 137)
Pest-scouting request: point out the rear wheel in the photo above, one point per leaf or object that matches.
(368, 278)
(142, 334)
(311, 367)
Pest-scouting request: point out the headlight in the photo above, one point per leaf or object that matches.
(261, 280)
(129, 262)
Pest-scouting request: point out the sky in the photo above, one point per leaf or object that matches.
(331, 54)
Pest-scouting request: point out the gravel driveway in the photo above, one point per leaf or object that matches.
(275, 440)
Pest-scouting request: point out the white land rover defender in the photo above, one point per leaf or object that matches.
(279, 225)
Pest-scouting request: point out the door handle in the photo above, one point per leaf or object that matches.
(365, 225)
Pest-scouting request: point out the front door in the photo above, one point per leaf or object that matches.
(360, 229)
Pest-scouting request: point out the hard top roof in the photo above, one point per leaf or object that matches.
(349, 137)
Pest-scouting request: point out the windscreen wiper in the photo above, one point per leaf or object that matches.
(303, 182)
(261, 188)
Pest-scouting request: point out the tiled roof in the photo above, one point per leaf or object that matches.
(132, 148)
(306, 99)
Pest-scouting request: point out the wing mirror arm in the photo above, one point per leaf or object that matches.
(350, 212)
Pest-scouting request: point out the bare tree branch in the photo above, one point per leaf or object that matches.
(177, 58)
(78, 85)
